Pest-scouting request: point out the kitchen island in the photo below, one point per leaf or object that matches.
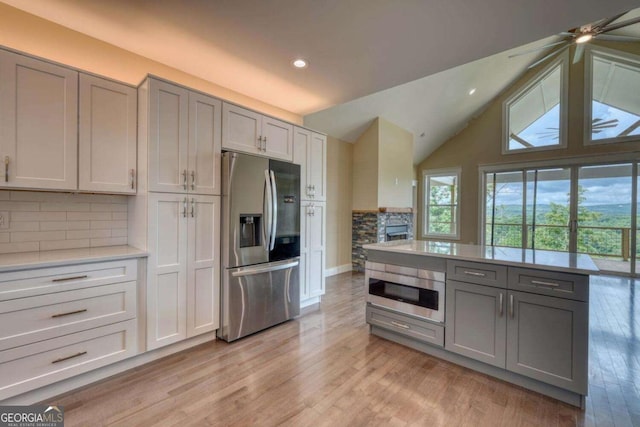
(520, 315)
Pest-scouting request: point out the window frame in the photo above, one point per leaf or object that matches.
(563, 62)
(609, 54)
(457, 171)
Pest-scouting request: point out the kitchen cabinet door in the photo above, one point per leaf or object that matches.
(167, 269)
(304, 253)
(317, 166)
(205, 116)
(547, 339)
(203, 265)
(38, 124)
(277, 138)
(316, 223)
(301, 144)
(241, 130)
(168, 137)
(476, 322)
(107, 136)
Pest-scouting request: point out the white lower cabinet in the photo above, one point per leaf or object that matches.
(312, 250)
(58, 322)
(183, 276)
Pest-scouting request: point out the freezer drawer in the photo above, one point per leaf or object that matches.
(259, 296)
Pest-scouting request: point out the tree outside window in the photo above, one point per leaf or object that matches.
(441, 213)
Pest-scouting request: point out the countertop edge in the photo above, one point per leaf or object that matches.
(547, 267)
(58, 258)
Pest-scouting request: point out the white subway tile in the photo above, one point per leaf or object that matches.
(20, 206)
(5, 237)
(38, 196)
(23, 226)
(64, 244)
(36, 236)
(5, 195)
(65, 207)
(108, 207)
(114, 241)
(119, 232)
(39, 216)
(51, 225)
(88, 216)
(119, 216)
(87, 234)
(7, 248)
(78, 225)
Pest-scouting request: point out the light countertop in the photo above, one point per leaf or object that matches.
(547, 260)
(28, 260)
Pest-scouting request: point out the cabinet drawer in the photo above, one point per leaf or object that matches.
(31, 366)
(563, 285)
(27, 320)
(479, 273)
(415, 328)
(26, 283)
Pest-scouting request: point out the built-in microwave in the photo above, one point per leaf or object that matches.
(413, 291)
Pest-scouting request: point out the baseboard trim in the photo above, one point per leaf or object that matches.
(337, 270)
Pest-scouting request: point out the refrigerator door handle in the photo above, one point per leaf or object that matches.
(249, 271)
(268, 199)
(274, 219)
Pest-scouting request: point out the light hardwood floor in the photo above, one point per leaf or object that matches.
(325, 369)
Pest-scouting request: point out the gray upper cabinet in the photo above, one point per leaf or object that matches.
(547, 340)
(205, 159)
(476, 322)
(310, 152)
(38, 124)
(107, 136)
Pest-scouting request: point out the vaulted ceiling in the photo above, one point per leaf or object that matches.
(355, 47)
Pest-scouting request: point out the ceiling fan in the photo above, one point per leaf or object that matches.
(581, 35)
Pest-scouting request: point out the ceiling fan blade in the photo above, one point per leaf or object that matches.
(577, 56)
(616, 38)
(620, 25)
(608, 21)
(551, 55)
(537, 49)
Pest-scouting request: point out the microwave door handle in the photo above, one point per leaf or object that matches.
(268, 201)
(274, 219)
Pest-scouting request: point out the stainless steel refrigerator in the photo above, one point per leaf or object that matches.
(260, 244)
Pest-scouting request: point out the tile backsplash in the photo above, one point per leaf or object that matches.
(40, 221)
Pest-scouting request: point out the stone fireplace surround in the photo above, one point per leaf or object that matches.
(370, 227)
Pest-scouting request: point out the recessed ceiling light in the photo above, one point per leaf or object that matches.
(472, 91)
(300, 63)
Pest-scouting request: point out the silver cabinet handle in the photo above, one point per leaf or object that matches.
(69, 313)
(133, 179)
(193, 207)
(184, 208)
(400, 325)
(6, 169)
(259, 145)
(540, 282)
(264, 143)
(193, 180)
(184, 179)
(473, 273)
(62, 359)
(511, 305)
(66, 279)
(501, 303)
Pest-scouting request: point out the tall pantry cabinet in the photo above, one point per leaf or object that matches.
(176, 214)
(310, 152)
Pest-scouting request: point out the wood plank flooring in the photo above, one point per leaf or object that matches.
(325, 369)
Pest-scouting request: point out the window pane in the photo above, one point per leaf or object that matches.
(615, 108)
(534, 117)
(441, 204)
(506, 202)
